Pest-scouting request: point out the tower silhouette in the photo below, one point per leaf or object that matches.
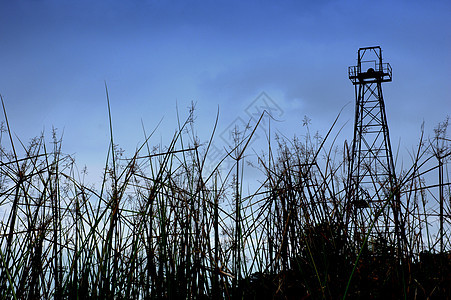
(373, 202)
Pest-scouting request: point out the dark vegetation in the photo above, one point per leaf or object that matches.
(160, 226)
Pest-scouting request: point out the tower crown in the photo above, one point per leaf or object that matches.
(369, 67)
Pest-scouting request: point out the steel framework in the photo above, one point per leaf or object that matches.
(373, 202)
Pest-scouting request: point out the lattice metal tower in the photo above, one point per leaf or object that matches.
(371, 186)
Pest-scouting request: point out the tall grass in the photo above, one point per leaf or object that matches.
(160, 226)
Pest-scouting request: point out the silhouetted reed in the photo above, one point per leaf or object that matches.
(160, 226)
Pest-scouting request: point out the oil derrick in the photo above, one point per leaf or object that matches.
(373, 202)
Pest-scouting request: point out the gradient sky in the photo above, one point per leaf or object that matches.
(55, 56)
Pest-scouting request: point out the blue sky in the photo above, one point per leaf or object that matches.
(56, 55)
